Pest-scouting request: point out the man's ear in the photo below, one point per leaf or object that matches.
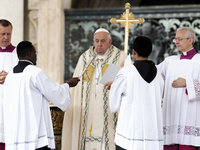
(134, 52)
(110, 41)
(29, 54)
(191, 40)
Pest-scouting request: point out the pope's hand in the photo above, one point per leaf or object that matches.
(122, 64)
(108, 85)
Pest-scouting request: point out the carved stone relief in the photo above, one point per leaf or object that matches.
(160, 26)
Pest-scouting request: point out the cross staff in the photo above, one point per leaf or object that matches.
(127, 20)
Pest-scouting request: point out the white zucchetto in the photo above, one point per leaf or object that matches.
(101, 30)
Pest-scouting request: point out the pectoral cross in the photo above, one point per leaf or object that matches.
(127, 20)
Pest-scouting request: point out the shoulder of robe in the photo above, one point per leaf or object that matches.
(171, 58)
(33, 69)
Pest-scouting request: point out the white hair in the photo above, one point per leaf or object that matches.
(189, 34)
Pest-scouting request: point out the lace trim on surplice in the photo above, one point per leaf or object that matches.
(186, 130)
(197, 87)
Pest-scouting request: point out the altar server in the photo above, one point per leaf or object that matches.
(27, 93)
(137, 92)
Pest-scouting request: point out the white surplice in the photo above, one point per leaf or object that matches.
(139, 125)
(181, 109)
(7, 61)
(27, 117)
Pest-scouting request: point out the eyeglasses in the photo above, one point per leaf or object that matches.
(179, 39)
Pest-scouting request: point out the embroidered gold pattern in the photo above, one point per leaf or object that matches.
(87, 76)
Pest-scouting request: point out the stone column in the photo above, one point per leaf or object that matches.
(13, 11)
(46, 30)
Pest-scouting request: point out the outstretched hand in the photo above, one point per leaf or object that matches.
(73, 81)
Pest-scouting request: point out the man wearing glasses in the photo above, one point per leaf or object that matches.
(181, 101)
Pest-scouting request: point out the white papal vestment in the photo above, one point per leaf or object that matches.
(88, 117)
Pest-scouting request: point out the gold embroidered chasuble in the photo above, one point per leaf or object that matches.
(88, 118)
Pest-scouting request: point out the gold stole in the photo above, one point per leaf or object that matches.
(88, 74)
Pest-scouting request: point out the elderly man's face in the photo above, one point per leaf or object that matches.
(101, 42)
(5, 35)
(182, 42)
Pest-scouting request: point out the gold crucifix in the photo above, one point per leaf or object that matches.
(127, 20)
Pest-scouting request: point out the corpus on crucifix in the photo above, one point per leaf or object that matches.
(127, 20)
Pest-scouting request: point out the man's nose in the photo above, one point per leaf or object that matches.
(100, 43)
(6, 36)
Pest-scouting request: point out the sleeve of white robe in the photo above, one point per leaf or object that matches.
(116, 92)
(59, 95)
(193, 88)
(161, 68)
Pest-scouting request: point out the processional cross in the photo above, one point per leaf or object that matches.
(127, 20)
